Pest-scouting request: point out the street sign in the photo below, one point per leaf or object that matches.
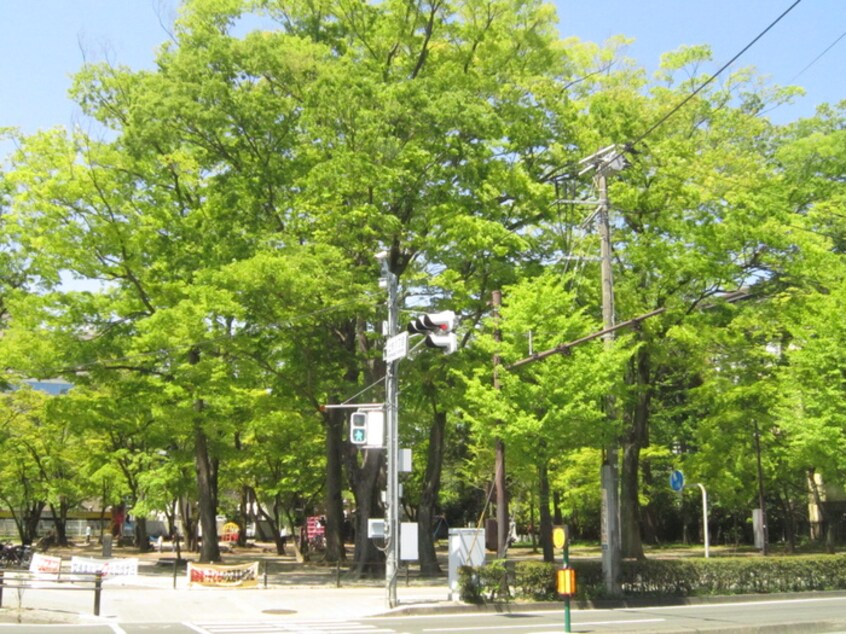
(396, 347)
(559, 537)
(676, 480)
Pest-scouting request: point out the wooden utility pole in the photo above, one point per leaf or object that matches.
(611, 558)
(761, 497)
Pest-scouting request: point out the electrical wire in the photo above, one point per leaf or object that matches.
(630, 145)
(563, 172)
(817, 58)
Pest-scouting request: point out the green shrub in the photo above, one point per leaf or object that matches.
(469, 588)
(493, 579)
(535, 580)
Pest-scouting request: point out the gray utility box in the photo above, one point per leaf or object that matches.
(466, 548)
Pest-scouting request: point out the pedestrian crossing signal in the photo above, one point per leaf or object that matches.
(358, 428)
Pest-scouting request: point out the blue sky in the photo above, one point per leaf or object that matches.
(43, 42)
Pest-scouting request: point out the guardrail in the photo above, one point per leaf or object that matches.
(41, 581)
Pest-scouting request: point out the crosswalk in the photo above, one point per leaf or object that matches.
(289, 627)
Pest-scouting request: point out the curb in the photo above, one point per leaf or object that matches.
(510, 607)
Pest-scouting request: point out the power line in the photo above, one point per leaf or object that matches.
(817, 58)
(680, 105)
(562, 173)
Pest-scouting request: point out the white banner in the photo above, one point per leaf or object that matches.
(241, 575)
(45, 564)
(108, 567)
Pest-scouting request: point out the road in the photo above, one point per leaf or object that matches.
(806, 614)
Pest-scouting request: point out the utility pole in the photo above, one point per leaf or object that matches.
(502, 520)
(608, 160)
(761, 497)
(389, 280)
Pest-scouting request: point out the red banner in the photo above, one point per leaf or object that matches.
(238, 575)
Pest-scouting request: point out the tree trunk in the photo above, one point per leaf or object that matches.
(429, 493)
(244, 516)
(189, 524)
(60, 523)
(368, 561)
(206, 469)
(635, 437)
(557, 517)
(207, 498)
(142, 540)
(333, 421)
(825, 515)
(170, 514)
(261, 516)
(830, 533)
(649, 524)
(545, 515)
(533, 529)
(501, 501)
(28, 523)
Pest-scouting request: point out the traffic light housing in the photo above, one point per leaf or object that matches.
(358, 428)
(438, 330)
(448, 343)
(367, 428)
(443, 322)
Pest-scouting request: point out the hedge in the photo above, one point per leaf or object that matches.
(533, 580)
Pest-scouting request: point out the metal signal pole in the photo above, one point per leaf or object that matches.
(502, 519)
(392, 423)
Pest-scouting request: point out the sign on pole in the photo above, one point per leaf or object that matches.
(676, 480)
(396, 347)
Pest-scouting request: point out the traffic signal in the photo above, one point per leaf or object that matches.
(438, 330)
(358, 428)
(367, 428)
(447, 343)
(443, 321)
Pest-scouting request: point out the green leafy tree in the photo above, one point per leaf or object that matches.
(552, 406)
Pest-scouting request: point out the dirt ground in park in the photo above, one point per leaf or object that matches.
(286, 569)
(280, 569)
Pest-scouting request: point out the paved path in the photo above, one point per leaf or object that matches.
(151, 597)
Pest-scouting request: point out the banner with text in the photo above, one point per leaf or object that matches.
(237, 575)
(45, 564)
(108, 567)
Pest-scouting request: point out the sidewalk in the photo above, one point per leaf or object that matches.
(308, 593)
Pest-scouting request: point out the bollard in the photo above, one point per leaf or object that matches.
(98, 588)
(1, 588)
(175, 566)
(264, 567)
(338, 573)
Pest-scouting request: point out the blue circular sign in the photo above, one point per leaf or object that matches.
(676, 480)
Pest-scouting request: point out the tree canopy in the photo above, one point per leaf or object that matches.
(230, 202)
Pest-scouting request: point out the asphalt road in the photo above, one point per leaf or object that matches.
(806, 614)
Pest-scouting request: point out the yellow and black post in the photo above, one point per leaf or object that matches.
(566, 577)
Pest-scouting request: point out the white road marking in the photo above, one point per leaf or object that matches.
(524, 626)
(298, 627)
